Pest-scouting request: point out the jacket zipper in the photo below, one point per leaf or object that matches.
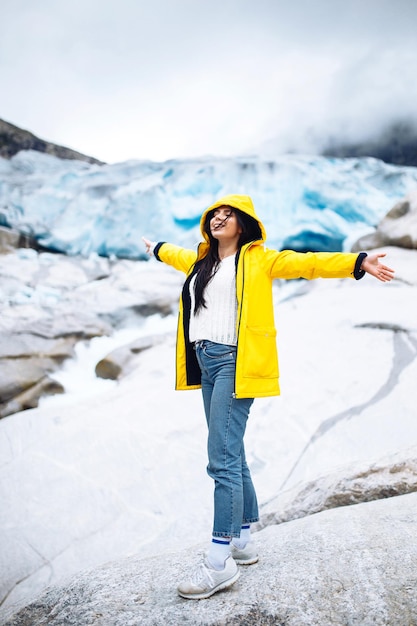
(241, 307)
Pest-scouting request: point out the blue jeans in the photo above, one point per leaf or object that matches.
(235, 500)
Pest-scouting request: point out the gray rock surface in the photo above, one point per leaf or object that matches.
(86, 481)
(29, 397)
(398, 228)
(363, 482)
(50, 301)
(350, 565)
(9, 240)
(13, 139)
(26, 359)
(121, 361)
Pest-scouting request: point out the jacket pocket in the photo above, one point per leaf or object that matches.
(260, 359)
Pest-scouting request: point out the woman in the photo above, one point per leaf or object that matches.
(226, 344)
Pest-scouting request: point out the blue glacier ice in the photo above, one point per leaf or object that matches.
(313, 203)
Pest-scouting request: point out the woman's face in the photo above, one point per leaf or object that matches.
(224, 225)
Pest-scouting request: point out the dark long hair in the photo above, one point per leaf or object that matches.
(207, 267)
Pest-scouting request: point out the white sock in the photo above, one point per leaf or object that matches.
(244, 538)
(218, 552)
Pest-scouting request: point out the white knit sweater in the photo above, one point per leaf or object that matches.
(217, 321)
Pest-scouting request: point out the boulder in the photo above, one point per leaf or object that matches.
(16, 375)
(25, 344)
(350, 565)
(29, 398)
(51, 301)
(26, 359)
(392, 476)
(398, 228)
(9, 240)
(121, 361)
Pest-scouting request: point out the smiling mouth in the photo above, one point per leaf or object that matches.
(222, 223)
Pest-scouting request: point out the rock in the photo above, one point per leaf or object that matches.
(396, 143)
(13, 139)
(29, 399)
(120, 361)
(24, 381)
(25, 344)
(350, 565)
(122, 472)
(34, 348)
(50, 301)
(25, 361)
(392, 476)
(16, 375)
(9, 240)
(398, 228)
(69, 324)
(125, 316)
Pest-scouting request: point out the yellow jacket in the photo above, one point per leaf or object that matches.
(257, 373)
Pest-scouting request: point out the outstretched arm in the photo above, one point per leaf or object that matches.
(176, 256)
(372, 266)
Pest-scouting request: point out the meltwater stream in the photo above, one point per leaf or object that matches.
(78, 376)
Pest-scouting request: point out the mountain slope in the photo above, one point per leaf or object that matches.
(397, 145)
(13, 139)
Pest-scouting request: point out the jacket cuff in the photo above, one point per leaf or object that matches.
(157, 248)
(357, 272)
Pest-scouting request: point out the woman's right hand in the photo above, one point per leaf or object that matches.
(150, 245)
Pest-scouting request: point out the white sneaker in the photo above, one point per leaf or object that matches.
(207, 580)
(245, 556)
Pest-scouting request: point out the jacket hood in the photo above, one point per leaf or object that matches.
(236, 201)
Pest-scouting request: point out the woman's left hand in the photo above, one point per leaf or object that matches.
(372, 266)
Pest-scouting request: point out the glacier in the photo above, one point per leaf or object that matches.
(305, 202)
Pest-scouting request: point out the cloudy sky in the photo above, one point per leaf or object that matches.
(159, 79)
